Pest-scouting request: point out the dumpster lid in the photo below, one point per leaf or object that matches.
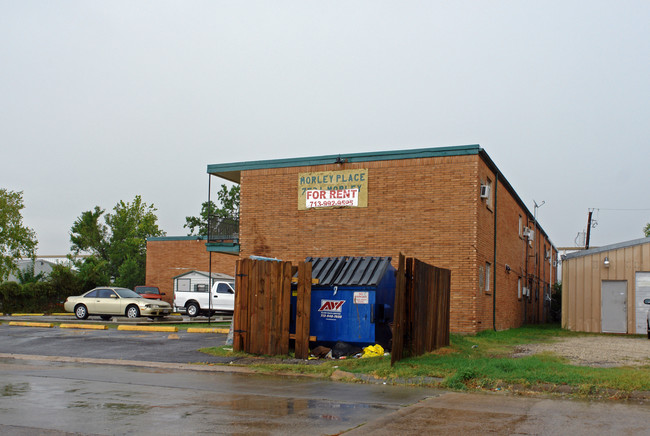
(348, 270)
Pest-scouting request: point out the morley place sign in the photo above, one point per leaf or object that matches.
(348, 188)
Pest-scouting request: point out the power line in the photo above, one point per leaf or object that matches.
(620, 210)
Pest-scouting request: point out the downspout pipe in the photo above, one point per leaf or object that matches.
(494, 261)
(207, 237)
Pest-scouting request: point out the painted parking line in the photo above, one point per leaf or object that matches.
(150, 328)
(27, 314)
(31, 324)
(84, 326)
(207, 330)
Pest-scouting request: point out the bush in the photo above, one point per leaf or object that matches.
(9, 294)
(47, 296)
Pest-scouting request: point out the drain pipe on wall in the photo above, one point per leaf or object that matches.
(494, 262)
(207, 239)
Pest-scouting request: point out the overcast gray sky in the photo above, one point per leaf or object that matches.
(100, 101)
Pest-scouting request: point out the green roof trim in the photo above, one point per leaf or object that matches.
(230, 171)
(223, 247)
(176, 238)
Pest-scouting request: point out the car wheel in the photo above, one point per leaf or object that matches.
(192, 309)
(81, 312)
(132, 312)
(106, 317)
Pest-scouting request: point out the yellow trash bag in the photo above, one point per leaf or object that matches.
(373, 351)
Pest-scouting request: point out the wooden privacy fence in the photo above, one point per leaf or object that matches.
(263, 307)
(422, 300)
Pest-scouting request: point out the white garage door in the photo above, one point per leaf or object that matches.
(642, 292)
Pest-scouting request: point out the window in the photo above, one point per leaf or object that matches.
(521, 226)
(224, 288)
(519, 287)
(201, 287)
(488, 274)
(105, 293)
(93, 294)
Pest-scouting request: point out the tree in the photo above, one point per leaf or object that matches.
(118, 247)
(28, 275)
(16, 240)
(646, 230)
(229, 208)
(88, 234)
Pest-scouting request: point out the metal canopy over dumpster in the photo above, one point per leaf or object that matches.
(352, 300)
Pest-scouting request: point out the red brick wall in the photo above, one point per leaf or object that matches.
(167, 259)
(512, 250)
(426, 208)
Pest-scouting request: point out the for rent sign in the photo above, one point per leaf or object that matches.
(329, 198)
(348, 188)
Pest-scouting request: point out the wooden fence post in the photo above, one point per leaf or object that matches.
(399, 312)
(303, 310)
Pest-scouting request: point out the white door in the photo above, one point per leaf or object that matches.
(183, 285)
(613, 311)
(642, 292)
(223, 297)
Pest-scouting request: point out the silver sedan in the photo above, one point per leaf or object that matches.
(109, 301)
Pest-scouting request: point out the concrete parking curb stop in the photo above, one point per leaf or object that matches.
(148, 328)
(207, 330)
(169, 329)
(31, 324)
(84, 326)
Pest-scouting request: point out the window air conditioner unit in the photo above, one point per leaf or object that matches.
(485, 191)
(525, 292)
(529, 233)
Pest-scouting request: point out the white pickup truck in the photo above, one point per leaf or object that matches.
(196, 300)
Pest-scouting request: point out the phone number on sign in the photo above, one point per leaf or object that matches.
(330, 203)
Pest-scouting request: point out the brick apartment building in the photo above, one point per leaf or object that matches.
(450, 207)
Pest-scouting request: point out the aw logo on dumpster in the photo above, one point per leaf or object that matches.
(331, 309)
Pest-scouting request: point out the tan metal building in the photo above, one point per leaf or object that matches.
(603, 288)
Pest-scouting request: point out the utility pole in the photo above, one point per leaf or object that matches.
(588, 230)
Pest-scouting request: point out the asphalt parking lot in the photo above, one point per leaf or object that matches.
(176, 347)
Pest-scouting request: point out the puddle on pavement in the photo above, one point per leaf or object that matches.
(14, 389)
(274, 407)
(122, 408)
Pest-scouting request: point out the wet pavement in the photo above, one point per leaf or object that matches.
(503, 414)
(158, 393)
(49, 398)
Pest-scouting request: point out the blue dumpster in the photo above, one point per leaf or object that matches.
(353, 300)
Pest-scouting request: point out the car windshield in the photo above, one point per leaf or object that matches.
(126, 293)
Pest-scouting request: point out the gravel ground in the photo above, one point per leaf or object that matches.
(597, 351)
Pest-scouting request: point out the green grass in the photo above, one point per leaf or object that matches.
(485, 361)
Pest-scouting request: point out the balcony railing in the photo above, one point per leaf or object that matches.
(223, 229)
